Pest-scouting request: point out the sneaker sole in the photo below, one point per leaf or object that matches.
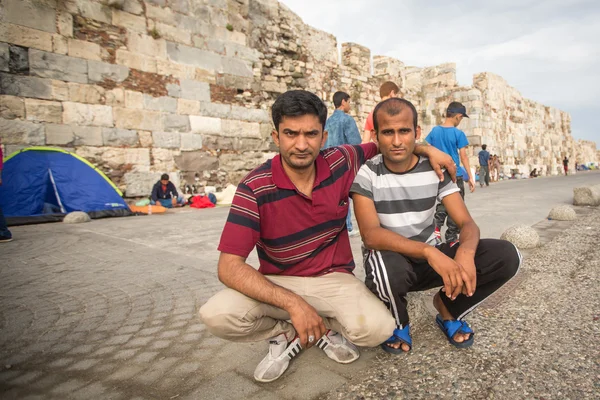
(291, 351)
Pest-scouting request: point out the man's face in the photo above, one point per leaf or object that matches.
(346, 106)
(397, 136)
(299, 140)
(164, 181)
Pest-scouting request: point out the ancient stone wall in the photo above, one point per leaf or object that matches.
(185, 86)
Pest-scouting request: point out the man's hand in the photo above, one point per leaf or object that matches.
(466, 259)
(471, 183)
(451, 272)
(307, 322)
(439, 160)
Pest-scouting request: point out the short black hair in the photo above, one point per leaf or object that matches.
(295, 103)
(393, 106)
(484, 146)
(164, 177)
(338, 97)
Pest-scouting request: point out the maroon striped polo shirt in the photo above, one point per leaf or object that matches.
(293, 234)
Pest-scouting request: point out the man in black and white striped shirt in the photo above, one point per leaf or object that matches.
(395, 196)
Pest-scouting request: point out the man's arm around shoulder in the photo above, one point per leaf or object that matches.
(236, 274)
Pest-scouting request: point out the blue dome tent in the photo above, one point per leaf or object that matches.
(43, 184)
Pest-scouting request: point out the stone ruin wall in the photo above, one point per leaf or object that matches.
(185, 86)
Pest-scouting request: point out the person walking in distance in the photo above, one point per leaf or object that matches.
(452, 141)
(566, 165)
(484, 166)
(342, 129)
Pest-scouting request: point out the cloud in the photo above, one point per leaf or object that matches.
(547, 50)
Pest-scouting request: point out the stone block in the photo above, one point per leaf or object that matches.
(145, 138)
(76, 217)
(136, 61)
(26, 37)
(249, 114)
(206, 125)
(59, 134)
(242, 129)
(196, 161)
(134, 99)
(188, 107)
(73, 135)
(170, 140)
(191, 141)
(144, 44)
(64, 22)
(133, 7)
(60, 44)
(163, 103)
(175, 123)
(137, 119)
(128, 21)
(181, 71)
(83, 49)
(140, 183)
(60, 90)
(174, 34)
(94, 10)
(87, 114)
(25, 86)
(119, 137)
(195, 90)
(173, 90)
(21, 132)
(215, 109)
(101, 71)
(32, 14)
(562, 213)
(234, 66)
(522, 236)
(275, 87)
(240, 162)
(193, 56)
(586, 195)
(164, 159)
(11, 107)
(91, 94)
(43, 111)
(4, 57)
(18, 62)
(56, 66)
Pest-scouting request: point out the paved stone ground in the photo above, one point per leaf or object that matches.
(108, 309)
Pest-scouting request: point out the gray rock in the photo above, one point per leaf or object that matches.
(586, 195)
(119, 137)
(22, 132)
(175, 123)
(100, 71)
(19, 60)
(195, 90)
(562, 213)
(57, 66)
(167, 140)
(522, 236)
(4, 57)
(193, 56)
(76, 217)
(25, 86)
(32, 14)
(163, 103)
(196, 161)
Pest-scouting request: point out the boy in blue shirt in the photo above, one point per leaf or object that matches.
(452, 141)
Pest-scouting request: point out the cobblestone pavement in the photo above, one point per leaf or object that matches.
(108, 310)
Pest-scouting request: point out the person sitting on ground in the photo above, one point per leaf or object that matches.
(165, 193)
(293, 210)
(394, 198)
(533, 173)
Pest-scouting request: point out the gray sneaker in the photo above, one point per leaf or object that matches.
(338, 348)
(278, 359)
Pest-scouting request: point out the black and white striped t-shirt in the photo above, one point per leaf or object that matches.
(405, 202)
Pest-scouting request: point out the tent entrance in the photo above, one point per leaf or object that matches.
(52, 202)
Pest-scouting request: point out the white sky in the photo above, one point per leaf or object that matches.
(548, 50)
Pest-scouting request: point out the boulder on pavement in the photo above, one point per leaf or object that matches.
(522, 236)
(586, 195)
(76, 217)
(562, 213)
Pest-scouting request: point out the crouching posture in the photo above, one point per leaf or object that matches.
(293, 210)
(395, 199)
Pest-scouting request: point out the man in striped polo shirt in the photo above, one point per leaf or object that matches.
(293, 210)
(395, 196)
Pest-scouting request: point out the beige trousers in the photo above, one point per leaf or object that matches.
(344, 302)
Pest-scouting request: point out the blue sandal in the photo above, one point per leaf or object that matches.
(451, 327)
(399, 336)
